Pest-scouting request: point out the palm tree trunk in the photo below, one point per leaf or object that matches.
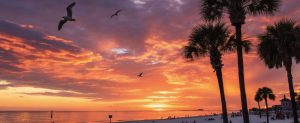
(238, 30)
(259, 110)
(222, 94)
(292, 92)
(267, 110)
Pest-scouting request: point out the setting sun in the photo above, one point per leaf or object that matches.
(157, 107)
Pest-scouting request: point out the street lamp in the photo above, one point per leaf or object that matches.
(110, 116)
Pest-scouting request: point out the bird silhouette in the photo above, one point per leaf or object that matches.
(68, 17)
(140, 75)
(116, 13)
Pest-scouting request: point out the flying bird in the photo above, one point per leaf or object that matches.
(116, 13)
(68, 17)
(140, 75)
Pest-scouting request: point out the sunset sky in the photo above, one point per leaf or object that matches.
(92, 64)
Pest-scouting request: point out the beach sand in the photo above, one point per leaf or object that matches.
(203, 119)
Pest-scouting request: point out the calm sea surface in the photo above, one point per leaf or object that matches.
(90, 117)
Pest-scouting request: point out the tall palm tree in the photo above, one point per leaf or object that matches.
(212, 40)
(258, 98)
(266, 93)
(278, 46)
(237, 10)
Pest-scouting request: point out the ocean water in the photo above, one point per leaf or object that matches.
(91, 117)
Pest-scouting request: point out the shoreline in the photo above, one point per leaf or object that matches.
(204, 119)
(171, 119)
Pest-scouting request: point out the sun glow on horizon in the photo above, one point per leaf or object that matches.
(158, 106)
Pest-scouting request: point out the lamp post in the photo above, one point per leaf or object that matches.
(110, 116)
(51, 115)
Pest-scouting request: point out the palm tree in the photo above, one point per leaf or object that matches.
(266, 93)
(237, 10)
(278, 46)
(258, 98)
(212, 40)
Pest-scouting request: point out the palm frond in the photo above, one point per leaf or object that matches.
(189, 51)
(266, 93)
(272, 97)
(280, 43)
(231, 45)
(268, 52)
(257, 7)
(246, 44)
(211, 10)
(257, 96)
(207, 39)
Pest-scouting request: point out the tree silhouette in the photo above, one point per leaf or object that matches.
(278, 46)
(266, 93)
(237, 10)
(258, 98)
(212, 40)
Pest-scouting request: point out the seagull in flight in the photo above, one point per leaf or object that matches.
(140, 75)
(116, 13)
(68, 17)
